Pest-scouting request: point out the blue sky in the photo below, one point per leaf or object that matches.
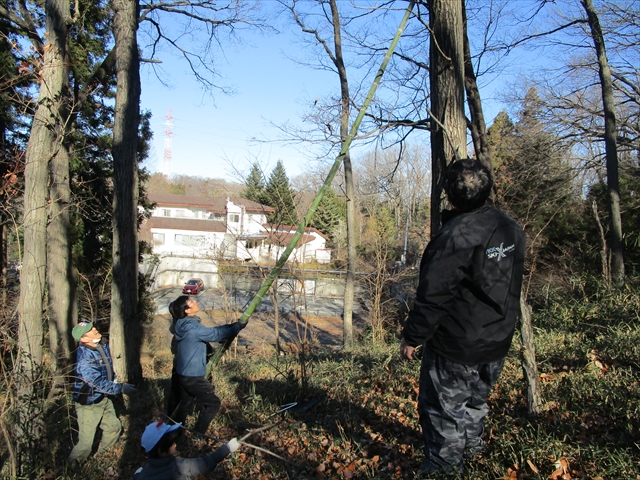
(212, 136)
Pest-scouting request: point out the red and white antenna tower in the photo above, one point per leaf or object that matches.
(167, 167)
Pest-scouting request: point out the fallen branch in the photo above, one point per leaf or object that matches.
(270, 453)
(261, 429)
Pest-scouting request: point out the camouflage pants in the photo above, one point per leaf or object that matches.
(452, 405)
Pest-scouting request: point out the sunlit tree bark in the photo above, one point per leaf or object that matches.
(44, 143)
(61, 306)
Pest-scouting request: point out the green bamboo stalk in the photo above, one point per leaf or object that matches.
(316, 202)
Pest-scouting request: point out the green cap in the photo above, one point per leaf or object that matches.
(80, 329)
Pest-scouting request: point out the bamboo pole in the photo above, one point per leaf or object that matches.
(316, 202)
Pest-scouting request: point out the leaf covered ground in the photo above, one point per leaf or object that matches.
(357, 419)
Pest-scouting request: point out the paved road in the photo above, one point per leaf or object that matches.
(210, 299)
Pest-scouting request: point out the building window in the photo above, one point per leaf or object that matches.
(181, 213)
(234, 218)
(158, 239)
(166, 212)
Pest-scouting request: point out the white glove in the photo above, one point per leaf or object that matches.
(233, 445)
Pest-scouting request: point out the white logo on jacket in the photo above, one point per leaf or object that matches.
(500, 251)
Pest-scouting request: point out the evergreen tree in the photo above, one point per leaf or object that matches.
(330, 212)
(13, 139)
(280, 196)
(534, 182)
(255, 187)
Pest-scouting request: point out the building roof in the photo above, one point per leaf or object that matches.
(272, 227)
(278, 238)
(283, 238)
(216, 205)
(187, 224)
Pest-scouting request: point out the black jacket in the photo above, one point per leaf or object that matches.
(468, 297)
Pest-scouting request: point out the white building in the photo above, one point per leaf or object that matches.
(273, 241)
(202, 226)
(191, 233)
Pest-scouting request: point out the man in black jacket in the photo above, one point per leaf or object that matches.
(466, 307)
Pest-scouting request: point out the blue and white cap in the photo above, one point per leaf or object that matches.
(154, 432)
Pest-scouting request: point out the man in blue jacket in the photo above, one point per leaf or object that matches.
(191, 362)
(466, 307)
(94, 381)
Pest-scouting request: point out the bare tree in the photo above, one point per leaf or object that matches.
(401, 178)
(610, 137)
(476, 124)
(171, 23)
(334, 52)
(572, 86)
(196, 31)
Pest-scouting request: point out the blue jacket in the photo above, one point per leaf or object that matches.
(192, 338)
(91, 381)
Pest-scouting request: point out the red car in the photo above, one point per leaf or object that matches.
(193, 286)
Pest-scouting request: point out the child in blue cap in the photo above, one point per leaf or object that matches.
(159, 442)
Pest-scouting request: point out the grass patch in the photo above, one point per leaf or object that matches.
(358, 419)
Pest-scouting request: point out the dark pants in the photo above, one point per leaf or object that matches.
(199, 391)
(173, 399)
(452, 405)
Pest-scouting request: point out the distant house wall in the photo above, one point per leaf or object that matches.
(186, 242)
(323, 256)
(213, 228)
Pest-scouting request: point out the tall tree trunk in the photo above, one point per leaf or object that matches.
(611, 148)
(43, 144)
(477, 125)
(61, 308)
(349, 288)
(125, 329)
(448, 132)
(62, 301)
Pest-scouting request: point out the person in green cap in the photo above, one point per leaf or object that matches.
(94, 381)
